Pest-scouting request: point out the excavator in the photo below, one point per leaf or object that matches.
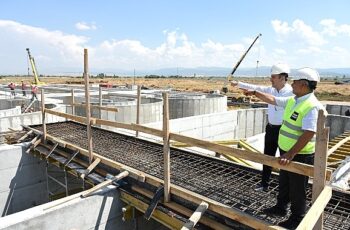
(35, 72)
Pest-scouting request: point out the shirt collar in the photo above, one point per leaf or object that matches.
(303, 98)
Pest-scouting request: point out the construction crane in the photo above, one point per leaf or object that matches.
(229, 77)
(35, 72)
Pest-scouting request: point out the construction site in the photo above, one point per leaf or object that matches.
(94, 157)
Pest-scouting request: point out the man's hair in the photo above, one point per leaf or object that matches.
(285, 75)
(311, 85)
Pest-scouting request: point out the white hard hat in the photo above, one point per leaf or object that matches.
(280, 68)
(306, 73)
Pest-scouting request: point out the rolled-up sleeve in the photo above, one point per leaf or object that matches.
(310, 120)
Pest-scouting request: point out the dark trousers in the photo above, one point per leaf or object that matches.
(292, 187)
(270, 148)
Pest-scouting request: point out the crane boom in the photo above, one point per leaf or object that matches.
(225, 89)
(35, 72)
(243, 56)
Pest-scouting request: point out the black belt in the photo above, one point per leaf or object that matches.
(274, 126)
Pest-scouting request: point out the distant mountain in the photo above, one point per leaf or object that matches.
(262, 71)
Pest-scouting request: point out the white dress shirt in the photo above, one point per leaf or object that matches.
(275, 113)
(309, 122)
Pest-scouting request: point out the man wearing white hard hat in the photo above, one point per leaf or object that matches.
(279, 88)
(296, 142)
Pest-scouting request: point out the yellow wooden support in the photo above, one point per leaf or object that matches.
(161, 217)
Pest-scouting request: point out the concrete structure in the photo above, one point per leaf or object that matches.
(22, 180)
(24, 197)
(193, 104)
(234, 124)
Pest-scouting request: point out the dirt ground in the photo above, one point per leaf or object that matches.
(326, 90)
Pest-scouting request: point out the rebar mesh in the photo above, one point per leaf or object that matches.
(222, 181)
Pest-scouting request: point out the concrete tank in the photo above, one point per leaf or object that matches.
(183, 104)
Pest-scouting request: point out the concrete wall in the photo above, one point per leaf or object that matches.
(187, 106)
(10, 112)
(16, 121)
(100, 211)
(22, 180)
(338, 125)
(151, 110)
(220, 126)
(337, 109)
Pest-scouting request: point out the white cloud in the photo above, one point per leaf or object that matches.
(51, 49)
(85, 26)
(298, 32)
(332, 29)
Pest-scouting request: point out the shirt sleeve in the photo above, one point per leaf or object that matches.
(310, 120)
(264, 89)
(281, 101)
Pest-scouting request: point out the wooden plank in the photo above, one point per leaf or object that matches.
(87, 107)
(100, 101)
(145, 129)
(25, 136)
(138, 108)
(320, 162)
(166, 147)
(336, 146)
(43, 114)
(90, 168)
(316, 209)
(67, 116)
(104, 184)
(72, 104)
(182, 210)
(107, 108)
(196, 216)
(114, 124)
(296, 167)
(161, 217)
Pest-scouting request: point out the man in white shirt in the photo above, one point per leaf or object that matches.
(279, 88)
(296, 142)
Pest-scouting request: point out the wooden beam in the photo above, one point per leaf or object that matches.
(73, 102)
(43, 114)
(320, 161)
(296, 167)
(138, 108)
(164, 218)
(105, 184)
(166, 147)
(145, 129)
(336, 146)
(90, 168)
(87, 102)
(67, 116)
(100, 101)
(196, 216)
(114, 124)
(181, 209)
(107, 108)
(316, 209)
(25, 136)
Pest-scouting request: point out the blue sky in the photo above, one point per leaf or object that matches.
(147, 35)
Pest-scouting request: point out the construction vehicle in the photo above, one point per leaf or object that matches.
(35, 72)
(230, 76)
